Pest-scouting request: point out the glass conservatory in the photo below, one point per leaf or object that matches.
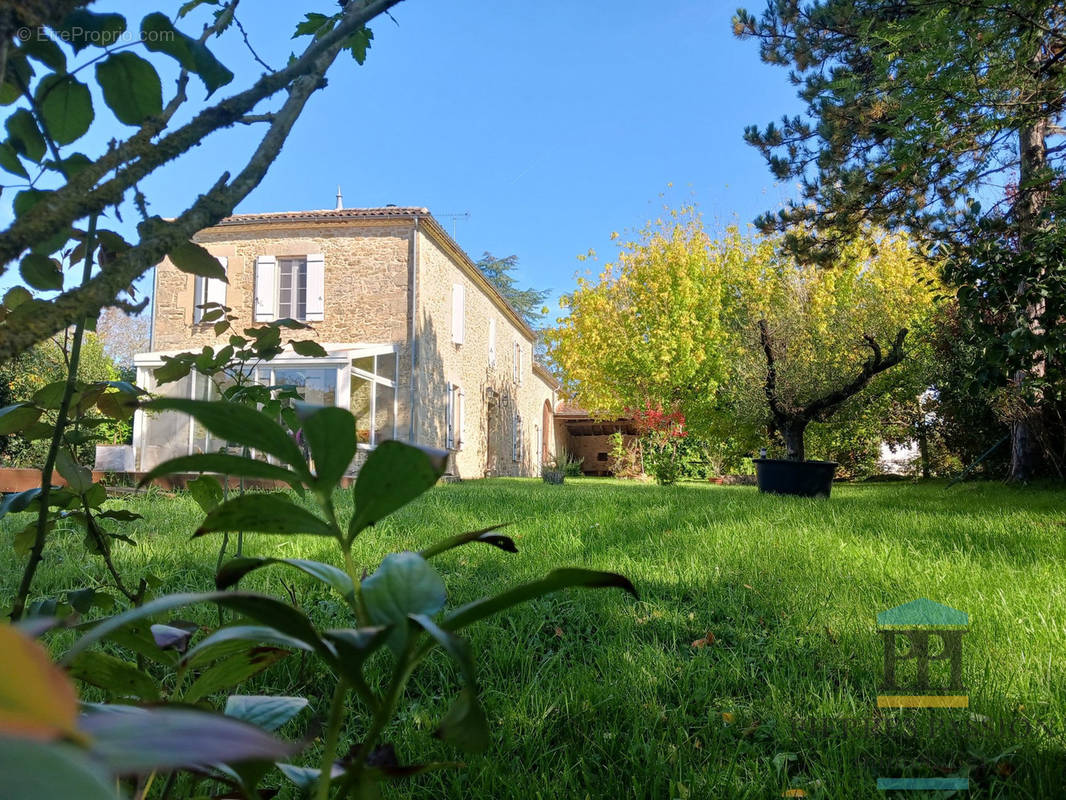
(360, 378)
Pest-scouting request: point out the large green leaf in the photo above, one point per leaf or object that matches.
(131, 87)
(224, 464)
(236, 568)
(404, 584)
(263, 513)
(232, 671)
(274, 613)
(330, 433)
(206, 491)
(78, 478)
(394, 474)
(485, 536)
(41, 272)
(465, 725)
(17, 501)
(9, 160)
(554, 581)
(66, 107)
(306, 778)
(237, 423)
(165, 739)
(120, 678)
(455, 647)
(81, 28)
(236, 639)
(25, 135)
(194, 259)
(269, 713)
(15, 418)
(34, 770)
(160, 35)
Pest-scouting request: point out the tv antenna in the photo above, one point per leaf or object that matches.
(463, 215)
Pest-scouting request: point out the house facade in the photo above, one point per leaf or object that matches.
(422, 348)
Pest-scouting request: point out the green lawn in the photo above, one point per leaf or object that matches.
(593, 694)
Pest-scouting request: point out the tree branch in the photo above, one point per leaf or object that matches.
(825, 406)
(138, 156)
(159, 237)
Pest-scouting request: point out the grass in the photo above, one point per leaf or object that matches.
(595, 695)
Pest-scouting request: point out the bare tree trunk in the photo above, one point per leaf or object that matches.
(1033, 195)
(792, 432)
(923, 451)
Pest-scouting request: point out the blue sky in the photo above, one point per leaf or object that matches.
(552, 123)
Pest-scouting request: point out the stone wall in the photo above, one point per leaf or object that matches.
(367, 277)
(366, 280)
(491, 395)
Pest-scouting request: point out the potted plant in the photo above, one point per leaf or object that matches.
(821, 337)
(552, 472)
(794, 474)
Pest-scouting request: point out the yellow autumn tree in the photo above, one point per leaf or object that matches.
(683, 319)
(654, 326)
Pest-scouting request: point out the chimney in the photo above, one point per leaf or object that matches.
(340, 200)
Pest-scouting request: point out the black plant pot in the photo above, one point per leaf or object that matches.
(800, 478)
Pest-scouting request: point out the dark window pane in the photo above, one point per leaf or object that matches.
(387, 366)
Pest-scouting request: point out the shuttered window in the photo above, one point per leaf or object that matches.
(492, 342)
(266, 285)
(290, 288)
(208, 290)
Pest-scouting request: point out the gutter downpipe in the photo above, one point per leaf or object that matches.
(412, 341)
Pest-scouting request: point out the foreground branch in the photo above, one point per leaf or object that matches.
(159, 237)
(139, 155)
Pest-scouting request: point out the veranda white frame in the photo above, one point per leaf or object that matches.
(340, 358)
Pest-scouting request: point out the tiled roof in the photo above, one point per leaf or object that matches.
(387, 212)
(384, 212)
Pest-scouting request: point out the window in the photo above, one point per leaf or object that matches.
(326, 382)
(516, 442)
(455, 414)
(290, 287)
(373, 396)
(208, 290)
(518, 363)
(315, 386)
(492, 342)
(458, 312)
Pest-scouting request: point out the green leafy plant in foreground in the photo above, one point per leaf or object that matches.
(399, 609)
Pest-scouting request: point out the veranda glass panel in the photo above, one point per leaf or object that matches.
(361, 408)
(387, 366)
(316, 386)
(166, 434)
(383, 416)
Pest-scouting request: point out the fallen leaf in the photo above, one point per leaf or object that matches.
(559, 632)
(709, 638)
(728, 717)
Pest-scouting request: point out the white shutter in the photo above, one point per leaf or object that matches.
(316, 287)
(449, 418)
(197, 298)
(266, 288)
(462, 421)
(492, 342)
(216, 289)
(458, 312)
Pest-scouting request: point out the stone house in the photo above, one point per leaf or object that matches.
(422, 348)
